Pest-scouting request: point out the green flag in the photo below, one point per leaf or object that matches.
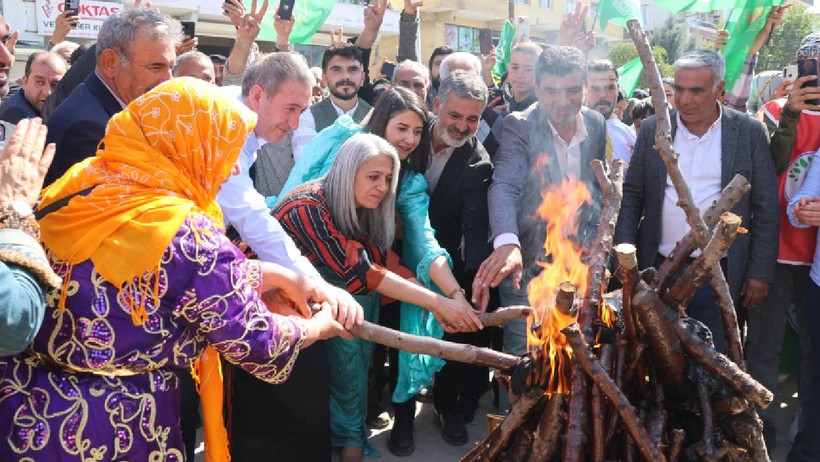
(743, 25)
(676, 6)
(628, 76)
(309, 14)
(502, 51)
(618, 12)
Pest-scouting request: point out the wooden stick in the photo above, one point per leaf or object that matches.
(628, 261)
(548, 433)
(684, 288)
(450, 351)
(503, 315)
(596, 373)
(521, 446)
(597, 406)
(720, 365)
(707, 450)
(491, 447)
(565, 298)
(675, 444)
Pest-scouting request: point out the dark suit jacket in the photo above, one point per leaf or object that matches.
(458, 208)
(75, 75)
(515, 193)
(78, 125)
(744, 150)
(16, 108)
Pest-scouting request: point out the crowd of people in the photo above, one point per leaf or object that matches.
(186, 237)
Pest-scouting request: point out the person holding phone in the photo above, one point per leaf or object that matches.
(794, 123)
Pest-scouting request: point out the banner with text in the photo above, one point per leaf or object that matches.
(92, 14)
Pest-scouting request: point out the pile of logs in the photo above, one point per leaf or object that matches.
(660, 391)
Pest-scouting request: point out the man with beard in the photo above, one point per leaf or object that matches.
(344, 74)
(553, 140)
(602, 94)
(135, 52)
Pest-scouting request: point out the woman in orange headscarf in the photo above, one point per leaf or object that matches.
(148, 281)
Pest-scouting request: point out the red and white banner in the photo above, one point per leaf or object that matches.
(92, 14)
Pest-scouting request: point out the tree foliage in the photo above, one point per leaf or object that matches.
(625, 52)
(673, 39)
(780, 51)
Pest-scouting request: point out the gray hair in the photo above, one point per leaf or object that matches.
(465, 85)
(193, 54)
(378, 224)
(272, 70)
(66, 45)
(699, 59)
(410, 64)
(459, 60)
(120, 30)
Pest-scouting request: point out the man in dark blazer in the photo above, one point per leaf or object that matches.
(135, 52)
(458, 213)
(43, 72)
(709, 162)
(553, 140)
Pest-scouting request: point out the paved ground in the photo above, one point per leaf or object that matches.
(430, 447)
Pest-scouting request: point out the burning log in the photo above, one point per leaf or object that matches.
(681, 292)
(717, 363)
(492, 446)
(565, 299)
(596, 373)
(549, 429)
(628, 261)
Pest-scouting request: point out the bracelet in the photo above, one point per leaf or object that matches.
(10, 218)
(457, 289)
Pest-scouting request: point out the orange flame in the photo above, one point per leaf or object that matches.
(558, 209)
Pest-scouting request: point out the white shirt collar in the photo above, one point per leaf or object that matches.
(122, 104)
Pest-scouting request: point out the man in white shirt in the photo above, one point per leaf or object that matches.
(344, 74)
(714, 143)
(277, 88)
(602, 94)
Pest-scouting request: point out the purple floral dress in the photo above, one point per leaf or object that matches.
(95, 387)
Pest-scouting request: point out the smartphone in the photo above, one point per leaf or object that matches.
(388, 69)
(806, 67)
(790, 74)
(286, 9)
(74, 6)
(494, 93)
(188, 29)
(485, 41)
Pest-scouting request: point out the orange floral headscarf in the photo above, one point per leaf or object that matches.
(163, 157)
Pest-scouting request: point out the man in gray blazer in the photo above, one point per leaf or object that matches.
(715, 143)
(552, 140)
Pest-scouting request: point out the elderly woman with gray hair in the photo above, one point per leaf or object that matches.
(345, 224)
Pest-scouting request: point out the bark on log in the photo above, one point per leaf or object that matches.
(521, 446)
(491, 447)
(707, 450)
(684, 288)
(548, 433)
(596, 373)
(717, 363)
(729, 197)
(749, 434)
(667, 352)
(565, 298)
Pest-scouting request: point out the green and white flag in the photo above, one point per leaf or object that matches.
(309, 15)
(628, 76)
(618, 12)
(502, 51)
